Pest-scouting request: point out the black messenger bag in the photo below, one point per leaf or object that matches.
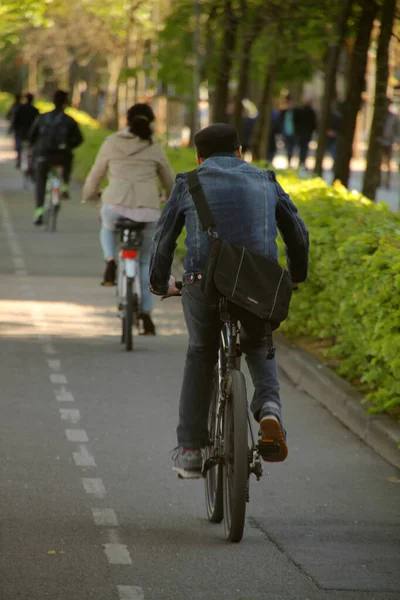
(254, 282)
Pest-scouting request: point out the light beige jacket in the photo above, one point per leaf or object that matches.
(134, 167)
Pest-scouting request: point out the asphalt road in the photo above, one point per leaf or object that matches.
(89, 506)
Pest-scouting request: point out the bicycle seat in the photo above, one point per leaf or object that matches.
(124, 223)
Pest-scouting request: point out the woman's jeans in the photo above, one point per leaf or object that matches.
(204, 326)
(108, 240)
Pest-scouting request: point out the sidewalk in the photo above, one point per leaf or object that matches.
(391, 197)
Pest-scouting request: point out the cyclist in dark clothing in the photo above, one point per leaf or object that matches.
(54, 135)
(10, 117)
(23, 119)
(249, 206)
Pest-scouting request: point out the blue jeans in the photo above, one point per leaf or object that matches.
(108, 240)
(290, 143)
(203, 325)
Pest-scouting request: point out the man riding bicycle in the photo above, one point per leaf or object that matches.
(24, 117)
(249, 206)
(54, 135)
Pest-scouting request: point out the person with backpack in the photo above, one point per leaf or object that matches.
(248, 206)
(23, 119)
(53, 135)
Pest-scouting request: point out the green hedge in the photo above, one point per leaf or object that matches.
(352, 297)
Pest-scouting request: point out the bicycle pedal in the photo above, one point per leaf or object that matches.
(268, 448)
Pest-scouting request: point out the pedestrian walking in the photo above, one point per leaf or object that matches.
(390, 136)
(332, 134)
(288, 128)
(305, 123)
(274, 131)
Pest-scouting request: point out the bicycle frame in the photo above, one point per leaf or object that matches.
(229, 359)
(53, 187)
(127, 264)
(52, 198)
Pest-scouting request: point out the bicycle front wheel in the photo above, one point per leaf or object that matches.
(236, 465)
(213, 479)
(128, 317)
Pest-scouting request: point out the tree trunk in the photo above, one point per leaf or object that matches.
(33, 75)
(330, 82)
(243, 82)
(225, 65)
(374, 154)
(249, 39)
(209, 43)
(355, 85)
(263, 123)
(195, 116)
(110, 115)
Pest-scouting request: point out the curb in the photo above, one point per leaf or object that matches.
(380, 432)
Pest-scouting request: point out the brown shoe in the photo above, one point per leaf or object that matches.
(272, 445)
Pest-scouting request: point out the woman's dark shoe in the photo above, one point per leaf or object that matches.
(109, 274)
(148, 325)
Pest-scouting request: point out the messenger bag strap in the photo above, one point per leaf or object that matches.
(203, 210)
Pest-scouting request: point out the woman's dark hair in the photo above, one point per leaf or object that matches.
(139, 117)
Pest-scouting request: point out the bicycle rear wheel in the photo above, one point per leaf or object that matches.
(53, 217)
(128, 317)
(213, 479)
(236, 465)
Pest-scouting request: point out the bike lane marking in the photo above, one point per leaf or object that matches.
(116, 552)
(130, 592)
(72, 415)
(77, 435)
(94, 486)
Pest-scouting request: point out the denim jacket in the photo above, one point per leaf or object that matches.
(248, 205)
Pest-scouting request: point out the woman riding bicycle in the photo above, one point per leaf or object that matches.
(134, 164)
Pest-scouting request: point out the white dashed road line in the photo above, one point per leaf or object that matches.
(58, 378)
(54, 364)
(72, 415)
(77, 435)
(63, 395)
(95, 486)
(105, 517)
(116, 553)
(83, 458)
(129, 592)
(49, 349)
